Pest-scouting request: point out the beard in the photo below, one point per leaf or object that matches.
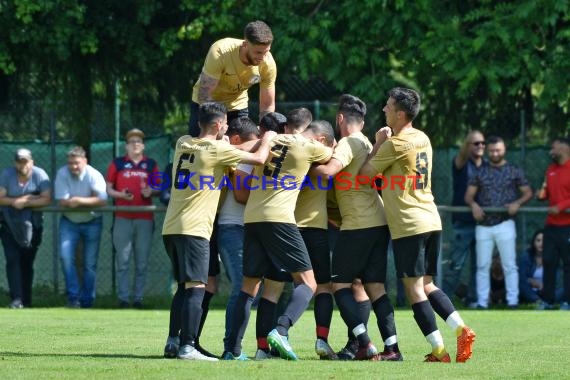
(496, 160)
(555, 158)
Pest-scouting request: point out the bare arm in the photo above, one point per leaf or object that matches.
(463, 156)
(118, 194)
(241, 193)
(23, 201)
(207, 86)
(331, 168)
(477, 211)
(526, 195)
(259, 157)
(266, 101)
(73, 202)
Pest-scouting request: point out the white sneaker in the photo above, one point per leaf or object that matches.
(188, 352)
(324, 350)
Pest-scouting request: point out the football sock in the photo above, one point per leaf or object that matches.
(425, 318)
(191, 314)
(442, 305)
(349, 311)
(323, 314)
(205, 308)
(176, 311)
(239, 324)
(384, 312)
(298, 303)
(264, 322)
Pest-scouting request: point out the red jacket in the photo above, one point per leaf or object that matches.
(557, 192)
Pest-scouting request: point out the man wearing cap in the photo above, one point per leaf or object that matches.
(22, 188)
(79, 185)
(127, 183)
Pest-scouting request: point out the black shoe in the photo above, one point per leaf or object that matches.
(349, 351)
(123, 305)
(138, 305)
(203, 351)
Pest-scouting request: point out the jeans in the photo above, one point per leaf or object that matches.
(69, 235)
(504, 235)
(132, 236)
(20, 264)
(462, 247)
(230, 247)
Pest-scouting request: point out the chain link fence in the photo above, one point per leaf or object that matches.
(38, 128)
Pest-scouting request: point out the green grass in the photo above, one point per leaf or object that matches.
(45, 343)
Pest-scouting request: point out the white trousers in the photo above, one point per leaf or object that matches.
(504, 235)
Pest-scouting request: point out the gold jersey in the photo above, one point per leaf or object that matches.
(405, 162)
(234, 77)
(275, 186)
(311, 208)
(198, 176)
(359, 204)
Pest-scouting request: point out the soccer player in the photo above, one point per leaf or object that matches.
(199, 165)
(362, 246)
(414, 221)
(272, 239)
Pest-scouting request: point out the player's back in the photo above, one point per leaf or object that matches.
(275, 186)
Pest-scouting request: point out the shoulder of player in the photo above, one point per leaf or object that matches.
(226, 45)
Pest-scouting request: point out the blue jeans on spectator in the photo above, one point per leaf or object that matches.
(69, 234)
(230, 247)
(462, 246)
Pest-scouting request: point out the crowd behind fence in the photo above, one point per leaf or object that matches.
(51, 156)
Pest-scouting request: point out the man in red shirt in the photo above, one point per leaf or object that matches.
(556, 189)
(127, 183)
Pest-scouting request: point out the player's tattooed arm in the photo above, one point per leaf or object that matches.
(207, 86)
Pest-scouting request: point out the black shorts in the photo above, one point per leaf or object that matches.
(214, 266)
(268, 244)
(189, 256)
(317, 243)
(361, 253)
(416, 256)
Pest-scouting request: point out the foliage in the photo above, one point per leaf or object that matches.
(478, 64)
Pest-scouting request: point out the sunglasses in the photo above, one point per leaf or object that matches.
(479, 143)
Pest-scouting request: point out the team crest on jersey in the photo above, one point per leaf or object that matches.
(144, 166)
(254, 79)
(128, 165)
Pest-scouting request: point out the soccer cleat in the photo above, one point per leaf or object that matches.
(367, 353)
(203, 351)
(171, 347)
(324, 350)
(188, 352)
(465, 345)
(348, 351)
(390, 356)
(263, 355)
(281, 343)
(230, 356)
(431, 358)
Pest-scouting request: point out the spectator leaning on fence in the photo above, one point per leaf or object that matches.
(127, 182)
(464, 166)
(499, 184)
(231, 67)
(79, 185)
(556, 190)
(22, 188)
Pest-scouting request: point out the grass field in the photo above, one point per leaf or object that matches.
(46, 343)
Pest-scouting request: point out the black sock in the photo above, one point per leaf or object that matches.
(191, 314)
(349, 311)
(241, 313)
(205, 309)
(297, 304)
(176, 312)
(264, 319)
(364, 308)
(323, 314)
(384, 312)
(423, 314)
(441, 304)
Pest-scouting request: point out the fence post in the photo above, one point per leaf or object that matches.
(522, 164)
(54, 230)
(316, 109)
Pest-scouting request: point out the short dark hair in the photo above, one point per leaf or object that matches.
(407, 100)
(258, 33)
(322, 128)
(244, 127)
(299, 117)
(562, 140)
(495, 140)
(352, 107)
(273, 121)
(210, 112)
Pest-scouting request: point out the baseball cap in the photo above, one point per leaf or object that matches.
(135, 132)
(23, 154)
